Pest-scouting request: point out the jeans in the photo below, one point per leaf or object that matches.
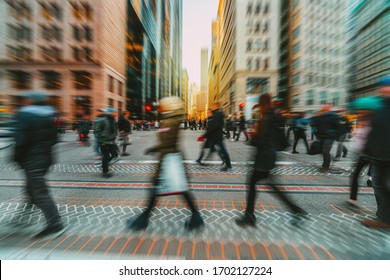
(257, 176)
(341, 148)
(381, 184)
(109, 152)
(362, 161)
(96, 148)
(239, 133)
(300, 134)
(222, 152)
(326, 147)
(39, 194)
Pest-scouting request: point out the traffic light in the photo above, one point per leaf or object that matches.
(148, 108)
(241, 106)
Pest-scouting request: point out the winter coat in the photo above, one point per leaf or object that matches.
(124, 124)
(242, 123)
(327, 125)
(35, 135)
(85, 126)
(106, 131)
(265, 156)
(378, 141)
(215, 127)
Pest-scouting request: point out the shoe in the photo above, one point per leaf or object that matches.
(225, 168)
(248, 219)
(200, 163)
(232, 140)
(369, 182)
(336, 159)
(324, 170)
(107, 175)
(352, 202)
(375, 224)
(195, 222)
(50, 232)
(140, 223)
(125, 154)
(345, 154)
(295, 152)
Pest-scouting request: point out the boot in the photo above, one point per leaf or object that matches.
(140, 223)
(248, 219)
(194, 222)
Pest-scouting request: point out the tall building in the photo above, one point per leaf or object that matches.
(185, 88)
(213, 71)
(204, 61)
(313, 58)
(73, 49)
(369, 45)
(248, 44)
(154, 53)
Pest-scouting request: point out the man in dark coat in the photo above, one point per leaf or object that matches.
(214, 134)
(378, 149)
(124, 129)
(327, 125)
(35, 137)
(242, 127)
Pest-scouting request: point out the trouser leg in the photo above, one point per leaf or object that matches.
(105, 149)
(224, 154)
(363, 161)
(326, 147)
(381, 184)
(251, 197)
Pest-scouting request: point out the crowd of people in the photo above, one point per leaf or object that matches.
(36, 134)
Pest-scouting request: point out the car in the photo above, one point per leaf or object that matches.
(7, 128)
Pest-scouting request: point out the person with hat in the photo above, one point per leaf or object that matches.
(172, 112)
(35, 136)
(378, 149)
(106, 132)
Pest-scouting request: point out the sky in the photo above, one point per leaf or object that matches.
(198, 16)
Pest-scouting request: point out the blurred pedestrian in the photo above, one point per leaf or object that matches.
(215, 134)
(235, 125)
(85, 126)
(327, 124)
(228, 126)
(242, 127)
(124, 127)
(35, 136)
(171, 109)
(106, 132)
(299, 130)
(360, 138)
(344, 129)
(378, 149)
(265, 159)
(96, 146)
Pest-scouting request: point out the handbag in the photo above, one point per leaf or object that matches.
(315, 148)
(172, 178)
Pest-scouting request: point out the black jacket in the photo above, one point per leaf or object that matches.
(378, 141)
(265, 157)
(215, 127)
(328, 125)
(124, 124)
(35, 135)
(242, 123)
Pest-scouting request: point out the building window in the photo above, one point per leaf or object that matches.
(110, 83)
(77, 54)
(336, 99)
(77, 33)
(257, 27)
(249, 9)
(111, 102)
(51, 79)
(296, 63)
(51, 54)
(258, 8)
(19, 10)
(310, 98)
(249, 63)
(82, 80)
(266, 26)
(295, 79)
(296, 32)
(88, 33)
(296, 48)
(21, 79)
(51, 33)
(19, 53)
(88, 54)
(266, 64)
(266, 8)
(257, 85)
(120, 105)
(258, 64)
(323, 97)
(249, 46)
(266, 45)
(296, 100)
(20, 33)
(120, 88)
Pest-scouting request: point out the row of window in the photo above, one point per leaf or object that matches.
(257, 27)
(50, 33)
(48, 53)
(82, 80)
(257, 64)
(49, 10)
(256, 8)
(115, 89)
(257, 45)
(323, 98)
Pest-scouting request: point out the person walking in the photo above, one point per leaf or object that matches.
(235, 125)
(96, 147)
(171, 109)
(124, 127)
(327, 125)
(85, 126)
(228, 126)
(299, 132)
(35, 136)
(265, 159)
(242, 127)
(345, 128)
(378, 149)
(106, 132)
(215, 134)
